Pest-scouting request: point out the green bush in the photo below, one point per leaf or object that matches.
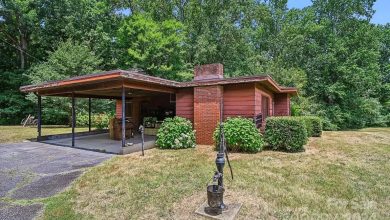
(100, 121)
(241, 135)
(313, 125)
(285, 133)
(175, 133)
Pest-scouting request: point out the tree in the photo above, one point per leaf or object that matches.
(18, 18)
(70, 59)
(156, 47)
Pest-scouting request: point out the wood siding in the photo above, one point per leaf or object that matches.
(282, 105)
(185, 103)
(239, 100)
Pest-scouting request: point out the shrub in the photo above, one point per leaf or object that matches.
(175, 133)
(313, 125)
(285, 133)
(100, 121)
(241, 134)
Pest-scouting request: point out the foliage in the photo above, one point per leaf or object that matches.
(313, 125)
(241, 135)
(175, 133)
(13, 105)
(70, 59)
(285, 133)
(156, 47)
(329, 50)
(100, 121)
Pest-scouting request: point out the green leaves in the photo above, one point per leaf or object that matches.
(285, 133)
(175, 133)
(241, 135)
(156, 47)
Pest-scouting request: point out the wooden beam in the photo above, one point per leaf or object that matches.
(149, 87)
(82, 88)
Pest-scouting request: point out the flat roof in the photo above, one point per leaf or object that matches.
(136, 78)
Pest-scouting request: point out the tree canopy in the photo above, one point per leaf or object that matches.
(329, 50)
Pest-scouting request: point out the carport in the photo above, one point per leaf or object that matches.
(120, 85)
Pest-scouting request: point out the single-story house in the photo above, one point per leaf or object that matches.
(199, 100)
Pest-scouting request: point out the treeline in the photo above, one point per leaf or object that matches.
(329, 50)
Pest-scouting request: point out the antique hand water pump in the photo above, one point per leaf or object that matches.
(215, 191)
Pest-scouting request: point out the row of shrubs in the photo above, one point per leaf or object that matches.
(281, 133)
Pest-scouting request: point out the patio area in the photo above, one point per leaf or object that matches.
(103, 143)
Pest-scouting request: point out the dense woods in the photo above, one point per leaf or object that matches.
(338, 59)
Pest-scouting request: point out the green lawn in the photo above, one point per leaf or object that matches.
(341, 175)
(18, 133)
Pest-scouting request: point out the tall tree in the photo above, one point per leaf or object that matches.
(18, 19)
(156, 47)
(69, 59)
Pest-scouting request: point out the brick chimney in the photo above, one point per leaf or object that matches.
(208, 71)
(207, 102)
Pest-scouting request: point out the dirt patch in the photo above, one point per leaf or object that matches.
(253, 207)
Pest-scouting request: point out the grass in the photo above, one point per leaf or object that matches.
(341, 175)
(18, 133)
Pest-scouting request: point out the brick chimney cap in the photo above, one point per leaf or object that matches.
(208, 71)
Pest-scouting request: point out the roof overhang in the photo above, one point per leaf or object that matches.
(110, 83)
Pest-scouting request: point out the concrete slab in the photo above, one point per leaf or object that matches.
(229, 214)
(8, 181)
(32, 170)
(45, 186)
(103, 143)
(27, 212)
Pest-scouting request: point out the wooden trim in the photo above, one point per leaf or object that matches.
(155, 88)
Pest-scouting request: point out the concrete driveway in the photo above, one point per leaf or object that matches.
(32, 170)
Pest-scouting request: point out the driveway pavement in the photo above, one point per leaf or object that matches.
(32, 170)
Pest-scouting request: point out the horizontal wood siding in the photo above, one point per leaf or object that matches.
(282, 104)
(239, 100)
(263, 92)
(185, 103)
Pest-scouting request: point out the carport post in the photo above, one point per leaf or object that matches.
(123, 117)
(73, 118)
(89, 114)
(39, 125)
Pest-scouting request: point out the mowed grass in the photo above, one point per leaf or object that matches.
(17, 133)
(341, 175)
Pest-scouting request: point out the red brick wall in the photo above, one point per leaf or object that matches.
(282, 104)
(207, 101)
(208, 71)
(118, 109)
(185, 103)
(239, 100)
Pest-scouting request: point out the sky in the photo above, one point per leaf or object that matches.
(381, 7)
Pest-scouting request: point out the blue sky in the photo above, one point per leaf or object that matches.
(381, 16)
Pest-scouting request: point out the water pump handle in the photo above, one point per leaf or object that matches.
(216, 176)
